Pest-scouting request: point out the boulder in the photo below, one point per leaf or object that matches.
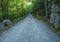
(7, 22)
(55, 16)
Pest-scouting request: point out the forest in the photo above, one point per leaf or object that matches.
(46, 10)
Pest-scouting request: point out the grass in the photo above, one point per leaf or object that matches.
(46, 20)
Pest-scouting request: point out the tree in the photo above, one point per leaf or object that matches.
(38, 7)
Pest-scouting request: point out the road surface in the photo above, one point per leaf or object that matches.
(29, 30)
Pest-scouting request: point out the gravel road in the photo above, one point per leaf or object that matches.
(29, 29)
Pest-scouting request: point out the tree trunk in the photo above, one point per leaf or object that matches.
(48, 4)
(4, 7)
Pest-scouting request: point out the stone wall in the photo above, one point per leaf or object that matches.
(55, 15)
(52, 11)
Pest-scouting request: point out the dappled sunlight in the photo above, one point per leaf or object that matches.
(29, 3)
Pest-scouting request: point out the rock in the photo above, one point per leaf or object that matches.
(7, 22)
(1, 26)
(57, 20)
(53, 8)
(15, 21)
(52, 18)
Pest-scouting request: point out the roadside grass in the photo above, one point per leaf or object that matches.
(46, 20)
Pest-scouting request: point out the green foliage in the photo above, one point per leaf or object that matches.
(38, 7)
(13, 9)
